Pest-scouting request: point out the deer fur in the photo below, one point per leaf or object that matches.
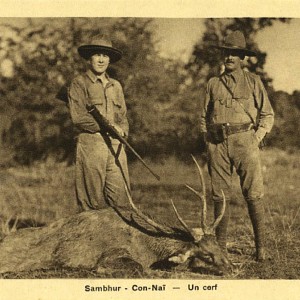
(105, 238)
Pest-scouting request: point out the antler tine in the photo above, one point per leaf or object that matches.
(181, 220)
(193, 190)
(203, 197)
(203, 225)
(143, 216)
(219, 218)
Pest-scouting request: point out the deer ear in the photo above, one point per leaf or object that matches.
(181, 257)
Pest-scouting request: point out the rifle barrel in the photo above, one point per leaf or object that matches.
(104, 124)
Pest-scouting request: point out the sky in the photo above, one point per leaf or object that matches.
(281, 42)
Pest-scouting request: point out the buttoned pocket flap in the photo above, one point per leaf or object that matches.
(117, 102)
(96, 100)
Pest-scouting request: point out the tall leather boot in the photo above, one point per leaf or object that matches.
(256, 213)
(221, 230)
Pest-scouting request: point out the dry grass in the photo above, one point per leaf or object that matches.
(45, 192)
(41, 193)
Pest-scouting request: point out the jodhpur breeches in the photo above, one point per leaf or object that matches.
(239, 151)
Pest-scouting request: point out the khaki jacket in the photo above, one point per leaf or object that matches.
(220, 107)
(88, 89)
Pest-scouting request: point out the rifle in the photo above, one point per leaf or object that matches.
(107, 127)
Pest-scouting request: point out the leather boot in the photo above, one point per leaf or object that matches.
(256, 213)
(221, 230)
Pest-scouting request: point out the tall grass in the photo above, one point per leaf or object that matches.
(45, 192)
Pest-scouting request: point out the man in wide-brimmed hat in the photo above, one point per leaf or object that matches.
(101, 163)
(235, 117)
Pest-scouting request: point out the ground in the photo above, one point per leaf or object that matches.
(45, 192)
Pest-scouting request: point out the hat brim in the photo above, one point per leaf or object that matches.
(86, 51)
(242, 50)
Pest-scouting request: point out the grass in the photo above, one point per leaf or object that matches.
(45, 192)
(41, 193)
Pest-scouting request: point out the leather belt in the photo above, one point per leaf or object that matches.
(236, 128)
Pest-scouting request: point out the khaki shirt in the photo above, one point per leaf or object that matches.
(221, 107)
(88, 89)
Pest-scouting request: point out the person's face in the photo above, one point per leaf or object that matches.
(99, 62)
(232, 59)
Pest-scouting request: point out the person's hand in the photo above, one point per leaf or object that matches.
(260, 134)
(256, 138)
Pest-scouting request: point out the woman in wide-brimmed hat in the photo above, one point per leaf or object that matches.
(235, 117)
(101, 163)
(100, 43)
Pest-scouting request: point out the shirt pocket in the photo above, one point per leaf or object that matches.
(98, 103)
(219, 98)
(95, 100)
(118, 111)
(239, 104)
(117, 103)
(241, 98)
(217, 108)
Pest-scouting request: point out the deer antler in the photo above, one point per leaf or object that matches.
(203, 196)
(203, 199)
(204, 205)
(182, 221)
(148, 220)
(219, 218)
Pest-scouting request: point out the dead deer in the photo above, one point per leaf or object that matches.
(112, 238)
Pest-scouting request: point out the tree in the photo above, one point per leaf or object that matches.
(284, 134)
(206, 61)
(44, 57)
(41, 57)
(163, 96)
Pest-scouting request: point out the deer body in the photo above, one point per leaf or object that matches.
(81, 241)
(109, 237)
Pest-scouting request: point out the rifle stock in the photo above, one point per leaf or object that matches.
(107, 127)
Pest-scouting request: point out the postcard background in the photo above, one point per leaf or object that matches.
(74, 289)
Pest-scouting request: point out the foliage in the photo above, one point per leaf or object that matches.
(206, 61)
(163, 95)
(44, 58)
(286, 127)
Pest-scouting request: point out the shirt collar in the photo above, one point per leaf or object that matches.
(94, 77)
(235, 75)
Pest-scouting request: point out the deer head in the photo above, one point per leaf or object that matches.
(204, 237)
(202, 246)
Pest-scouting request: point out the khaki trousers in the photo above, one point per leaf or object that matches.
(101, 172)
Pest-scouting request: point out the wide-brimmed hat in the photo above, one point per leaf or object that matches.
(236, 41)
(100, 43)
